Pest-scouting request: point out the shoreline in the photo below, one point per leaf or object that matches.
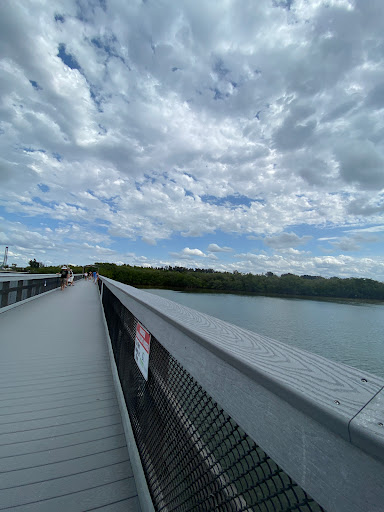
(322, 298)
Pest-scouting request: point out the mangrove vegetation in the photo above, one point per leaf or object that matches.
(181, 278)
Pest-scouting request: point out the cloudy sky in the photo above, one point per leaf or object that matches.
(228, 134)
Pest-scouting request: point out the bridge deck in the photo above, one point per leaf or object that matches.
(62, 444)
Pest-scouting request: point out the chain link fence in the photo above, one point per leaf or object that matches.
(194, 456)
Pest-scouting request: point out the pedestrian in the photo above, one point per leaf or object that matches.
(70, 277)
(63, 277)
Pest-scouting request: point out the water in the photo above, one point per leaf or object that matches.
(347, 332)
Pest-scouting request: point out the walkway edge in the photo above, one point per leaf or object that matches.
(137, 468)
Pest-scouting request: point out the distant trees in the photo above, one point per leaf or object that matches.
(183, 278)
(262, 284)
(42, 269)
(33, 264)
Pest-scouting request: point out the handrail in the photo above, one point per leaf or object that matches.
(321, 421)
(16, 276)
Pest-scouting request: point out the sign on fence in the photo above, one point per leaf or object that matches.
(142, 346)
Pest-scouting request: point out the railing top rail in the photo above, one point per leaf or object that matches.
(346, 400)
(20, 276)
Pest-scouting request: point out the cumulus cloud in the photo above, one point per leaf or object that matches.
(149, 241)
(361, 163)
(217, 248)
(193, 252)
(286, 240)
(353, 240)
(163, 124)
(371, 229)
(346, 245)
(339, 265)
(367, 206)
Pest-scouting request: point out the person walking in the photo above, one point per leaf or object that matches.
(63, 277)
(70, 277)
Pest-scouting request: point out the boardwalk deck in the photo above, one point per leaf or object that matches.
(62, 444)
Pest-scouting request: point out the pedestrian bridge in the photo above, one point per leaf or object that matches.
(115, 399)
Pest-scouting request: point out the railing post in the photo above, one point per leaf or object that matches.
(29, 289)
(19, 290)
(4, 294)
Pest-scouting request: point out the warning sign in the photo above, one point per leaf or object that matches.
(142, 346)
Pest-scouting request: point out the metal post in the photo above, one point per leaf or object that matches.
(4, 294)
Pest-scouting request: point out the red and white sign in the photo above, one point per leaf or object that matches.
(142, 346)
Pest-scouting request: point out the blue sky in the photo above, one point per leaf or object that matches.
(231, 135)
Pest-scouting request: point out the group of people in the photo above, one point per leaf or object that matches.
(91, 276)
(66, 277)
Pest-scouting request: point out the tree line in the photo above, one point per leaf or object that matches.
(181, 278)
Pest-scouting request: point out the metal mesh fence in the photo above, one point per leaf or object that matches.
(194, 456)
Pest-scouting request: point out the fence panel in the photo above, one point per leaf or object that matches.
(14, 290)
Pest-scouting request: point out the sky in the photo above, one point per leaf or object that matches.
(228, 134)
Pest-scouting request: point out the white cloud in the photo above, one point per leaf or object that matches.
(346, 244)
(286, 240)
(193, 252)
(327, 266)
(371, 229)
(149, 241)
(147, 123)
(217, 248)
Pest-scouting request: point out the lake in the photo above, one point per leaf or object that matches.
(344, 331)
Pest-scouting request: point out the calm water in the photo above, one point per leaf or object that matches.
(347, 332)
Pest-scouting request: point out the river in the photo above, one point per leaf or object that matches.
(344, 331)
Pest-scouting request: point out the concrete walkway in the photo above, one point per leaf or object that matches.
(62, 444)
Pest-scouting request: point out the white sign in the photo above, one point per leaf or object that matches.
(142, 346)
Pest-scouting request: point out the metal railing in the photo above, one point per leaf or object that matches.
(230, 421)
(20, 287)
